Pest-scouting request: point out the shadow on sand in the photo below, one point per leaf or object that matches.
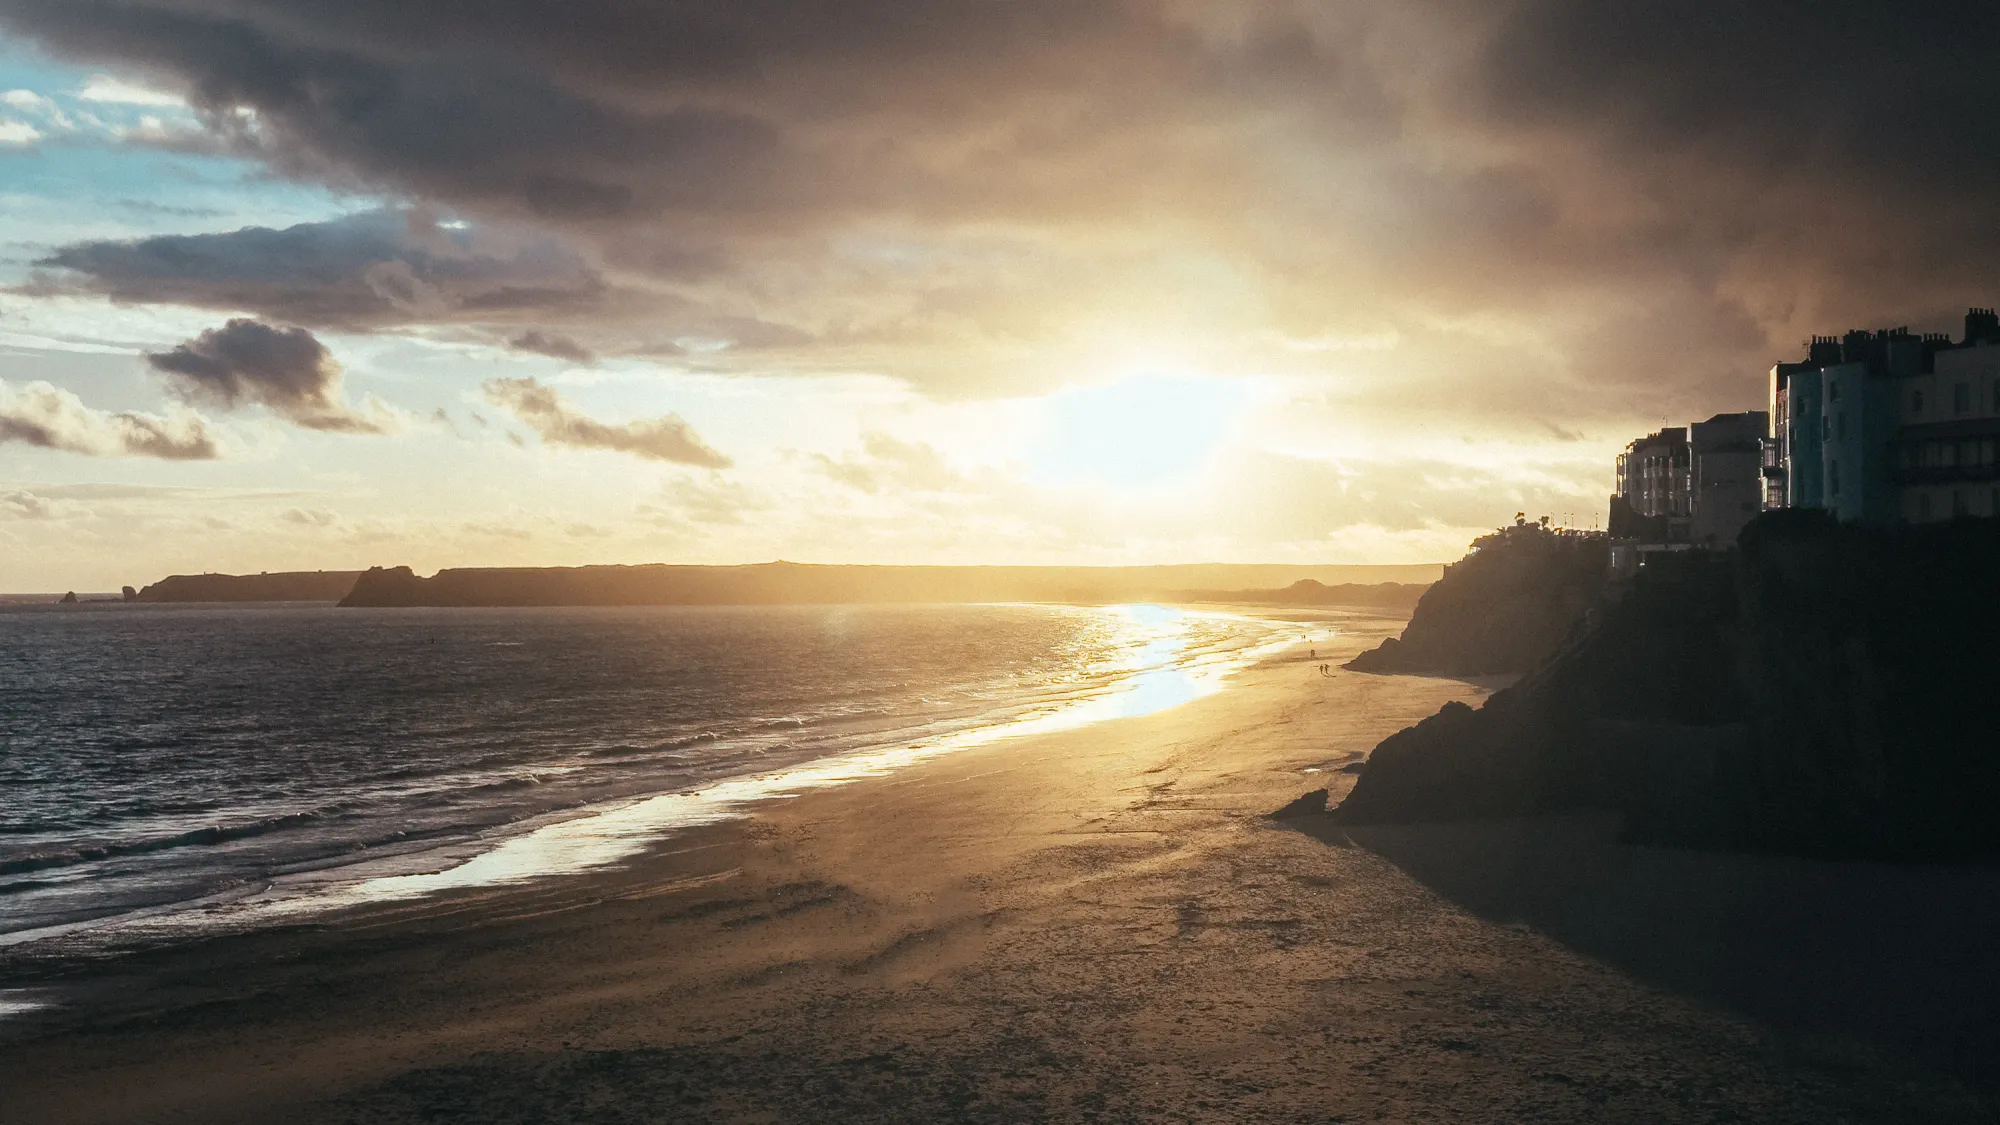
(1905, 958)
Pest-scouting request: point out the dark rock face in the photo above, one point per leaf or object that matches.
(387, 586)
(285, 586)
(1822, 690)
(1308, 804)
(69, 598)
(1504, 608)
(1395, 596)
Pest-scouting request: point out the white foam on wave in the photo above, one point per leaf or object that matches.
(613, 835)
(1161, 673)
(17, 1003)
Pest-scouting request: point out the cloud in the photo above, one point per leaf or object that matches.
(666, 438)
(20, 504)
(309, 517)
(711, 501)
(887, 463)
(369, 270)
(982, 197)
(286, 370)
(555, 345)
(43, 415)
(18, 133)
(163, 494)
(119, 91)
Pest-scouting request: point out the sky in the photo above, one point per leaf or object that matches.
(292, 285)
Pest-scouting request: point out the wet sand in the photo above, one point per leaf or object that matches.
(1095, 925)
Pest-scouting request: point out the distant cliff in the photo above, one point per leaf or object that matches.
(1821, 690)
(803, 584)
(1503, 608)
(294, 586)
(1391, 596)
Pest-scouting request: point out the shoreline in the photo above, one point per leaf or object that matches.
(1093, 924)
(573, 841)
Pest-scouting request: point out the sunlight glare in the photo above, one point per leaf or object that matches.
(1143, 430)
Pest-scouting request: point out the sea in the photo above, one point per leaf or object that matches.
(175, 770)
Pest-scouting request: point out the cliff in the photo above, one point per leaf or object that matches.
(294, 586)
(1390, 596)
(801, 584)
(1821, 690)
(1512, 601)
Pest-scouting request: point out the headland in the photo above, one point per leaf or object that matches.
(784, 583)
(1388, 587)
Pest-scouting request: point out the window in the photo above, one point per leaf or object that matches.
(1833, 391)
(1916, 402)
(1958, 506)
(1961, 399)
(1825, 428)
(1840, 425)
(1923, 506)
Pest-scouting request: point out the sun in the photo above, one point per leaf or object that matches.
(1146, 430)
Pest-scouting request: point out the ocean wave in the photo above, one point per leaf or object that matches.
(208, 836)
(670, 746)
(437, 748)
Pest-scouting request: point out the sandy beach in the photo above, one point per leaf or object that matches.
(1092, 925)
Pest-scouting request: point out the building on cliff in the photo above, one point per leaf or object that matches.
(1889, 426)
(1653, 475)
(1695, 485)
(1726, 488)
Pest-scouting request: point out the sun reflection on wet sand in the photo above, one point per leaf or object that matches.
(1162, 680)
(1163, 670)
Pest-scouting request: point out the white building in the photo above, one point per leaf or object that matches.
(1942, 457)
(1888, 426)
(1726, 455)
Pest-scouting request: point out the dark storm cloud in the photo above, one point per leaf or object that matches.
(286, 370)
(1834, 152)
(1846, 87)
(666, 438)
(756, 114)
(368, 270)
(1653, 194)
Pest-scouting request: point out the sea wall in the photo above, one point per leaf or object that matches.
(1822, 689)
